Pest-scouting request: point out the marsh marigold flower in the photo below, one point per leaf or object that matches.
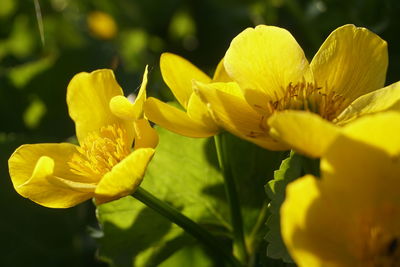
(180, 76)
(351, 216)
(340, 84)
(116, 144)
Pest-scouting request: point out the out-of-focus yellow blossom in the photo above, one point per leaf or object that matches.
(340, 84)
(351, 216)
(101, 25)
(116, 143)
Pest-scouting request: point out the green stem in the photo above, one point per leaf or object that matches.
(239, 245)
(186, 224)
(260, 224)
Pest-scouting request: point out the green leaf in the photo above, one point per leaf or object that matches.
(290, 169)
(183, 173)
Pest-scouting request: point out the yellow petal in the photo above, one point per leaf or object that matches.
(362, 173)
(199, 113)
(384, 99)
(352, 62)
(303, 131)
(380, 130)
(88, 98)
(220, 74)
(121, 107)
(41, 173)
(141, 97)
(145, 135)
(314, 230)
(259, 101)
(266, 59)
(232, 112)
(125, 177)
(175, 120)
(178, 74)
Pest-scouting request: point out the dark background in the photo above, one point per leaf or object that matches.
(34, 76)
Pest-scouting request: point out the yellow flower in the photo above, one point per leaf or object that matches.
(338, 85)
(351, 216)
(104, 165)
(183, 79)
(178, 74)
(101, 25)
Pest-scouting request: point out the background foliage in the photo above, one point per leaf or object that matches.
(34, 76)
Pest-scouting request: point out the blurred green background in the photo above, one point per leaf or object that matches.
(36, 66)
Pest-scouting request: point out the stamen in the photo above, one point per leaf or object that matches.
(100, 152)
(310, 97)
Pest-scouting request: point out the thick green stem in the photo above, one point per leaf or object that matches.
(239, 244)
(186, 224)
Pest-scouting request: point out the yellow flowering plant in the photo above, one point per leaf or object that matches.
(248, 201)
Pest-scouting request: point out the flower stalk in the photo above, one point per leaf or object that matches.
(186, 224)
(239, 245)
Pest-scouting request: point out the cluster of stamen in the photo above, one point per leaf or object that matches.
(310, 97)
(100, 152)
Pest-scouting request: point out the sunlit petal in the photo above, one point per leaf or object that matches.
(41, 173)
(220, 74)
(199, 113)
(88, 98)
(314, 230)
(306, 132)
(384, 99)
(125, 177)
(175, 120)
(352, 62)
(266, 59)
(232, 113)
(178, 74)
(145, 135)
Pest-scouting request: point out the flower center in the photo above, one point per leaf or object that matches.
(381, 249)
(308, 96)
(378, 241)
(100, 151)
